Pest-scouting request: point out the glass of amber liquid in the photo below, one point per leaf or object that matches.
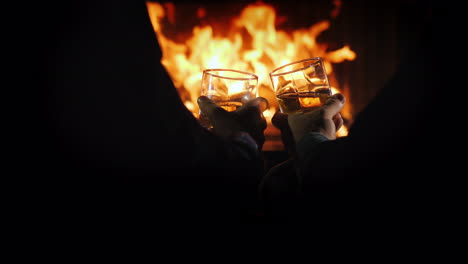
(301, 86)
(228, 88)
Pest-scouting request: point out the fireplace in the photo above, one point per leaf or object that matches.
(360, 43)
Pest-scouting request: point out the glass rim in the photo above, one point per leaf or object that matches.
(274, 72)
(253, 76)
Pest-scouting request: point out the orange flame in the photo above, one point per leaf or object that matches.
(254, 45)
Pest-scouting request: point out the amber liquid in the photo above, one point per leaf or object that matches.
(291, 103)
(229, 105)
(226, 105)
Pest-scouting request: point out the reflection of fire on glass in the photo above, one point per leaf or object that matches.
(301, 86)
(292, 102)
(228, 88)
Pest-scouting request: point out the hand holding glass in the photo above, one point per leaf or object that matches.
(301, 86)
(228, 88)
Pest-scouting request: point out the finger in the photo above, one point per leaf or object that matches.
(208, 107)
(252, 115)
(258, 102)
(333, 105)
(338, 120)
(279, 120)
(264, 123)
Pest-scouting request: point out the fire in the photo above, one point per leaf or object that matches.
(253, 44)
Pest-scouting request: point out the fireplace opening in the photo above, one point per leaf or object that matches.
(361, 42)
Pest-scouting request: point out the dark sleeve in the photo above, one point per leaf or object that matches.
(390, 144)
(115, 116)
(309, 143)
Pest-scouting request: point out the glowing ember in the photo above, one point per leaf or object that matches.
(253, 45)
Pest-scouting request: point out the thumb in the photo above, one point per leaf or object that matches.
(258, 102)
(333, 105)
(279, 120)
(207, 106)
